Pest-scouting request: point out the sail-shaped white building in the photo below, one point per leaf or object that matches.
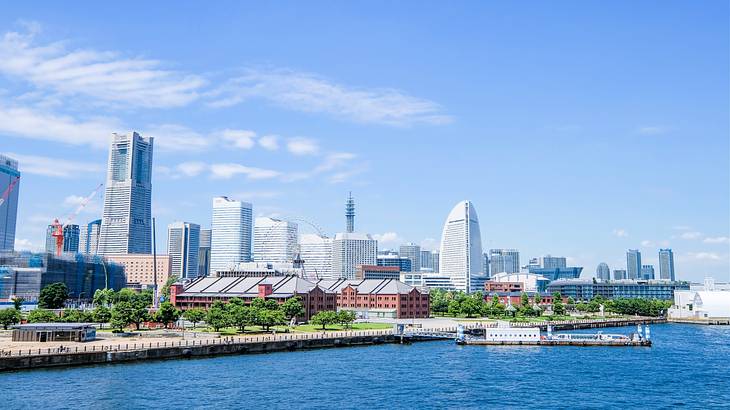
(461, 248)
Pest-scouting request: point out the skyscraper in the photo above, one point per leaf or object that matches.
(230, 233)
(552, 262)
(504, 260)
(603, 272)
(461, 246)
(412, 252)
(204, 253)
(633, 264)
(274, 240)
(183, 243)
(89, 237)
(666, 264)
(316, 251)
(485, 263)
(127, 218)
(619, 274)
(435, 259)
(71, 238)
(50, 240)
(350, 250)
(426, 260)
(9, 187)
(402, 263)
(647, 272)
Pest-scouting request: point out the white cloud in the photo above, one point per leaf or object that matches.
(388, 239)
(243, 139)
(251, 195)
(690, 235)
(621, 233)
(40, 125)
(103, 75)
(226, 171)
(27, 245)
(302, 146)
(651, 130)
(717, 239)
(269, 142)
(191, 169)
(311, 93)
(705, 256)
(173, 137)
(647, 244)
(55, 167)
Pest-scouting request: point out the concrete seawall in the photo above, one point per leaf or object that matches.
(219, 347)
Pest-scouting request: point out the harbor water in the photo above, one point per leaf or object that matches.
(689, 365)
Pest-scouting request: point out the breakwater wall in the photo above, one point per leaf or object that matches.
(32, 359)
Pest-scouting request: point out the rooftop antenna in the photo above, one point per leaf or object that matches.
(350, 214)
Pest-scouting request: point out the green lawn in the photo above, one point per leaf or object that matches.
(355, 326)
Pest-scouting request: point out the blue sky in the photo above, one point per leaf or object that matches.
(576, 128)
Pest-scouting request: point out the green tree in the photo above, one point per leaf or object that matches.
(324, 318)
(218, 316)
(346, 318)
(470, 307)
(454, 308)
(76, 316)
(18, 303)
(241, 315)
(194, 315)
(438, 302)
(270, 317)
(41, 316)
(293, 308)
(558, 306)
(103, 297)
(53, 296)
(167, 313)
(165, 291)
(124, 295)
(101, 315)
(123, 314)
(9, 317)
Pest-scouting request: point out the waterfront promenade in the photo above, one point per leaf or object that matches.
(29, 355)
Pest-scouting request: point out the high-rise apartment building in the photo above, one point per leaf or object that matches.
(666, 264)
(412, 252)
(50, 240)
(504, 260)
(71, 238)
(435, 259)
(183, 243)
(619, 274)
(633, 264)
(461, 247)
(316, 252)
(204, 253)
(231, 233)
(127, 218)
(603, 272)
(350, 250)
(275, 240)
(89, 237)
(485, 263)
(9, 188)
(647, 272)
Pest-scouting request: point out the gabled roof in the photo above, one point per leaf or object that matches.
(248, 286)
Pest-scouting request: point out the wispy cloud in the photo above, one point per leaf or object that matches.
(652, 130)
(620, 232)
(717, 240)
(690, 235)
(192, 168)
(311, 93)
(712, 256)
(243, 139)
(174, 137)
(388, 239)
(227, 171)
(302, 146)
(269, 142)
(251, 195)
(103, 75)
(56, 167)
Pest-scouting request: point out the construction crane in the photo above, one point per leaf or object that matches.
(8, 190)
(58, 227)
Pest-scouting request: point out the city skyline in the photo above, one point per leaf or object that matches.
(299, 159)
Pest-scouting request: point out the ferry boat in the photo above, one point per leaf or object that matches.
(504, 334)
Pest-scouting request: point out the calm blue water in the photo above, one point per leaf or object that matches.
(688, 366)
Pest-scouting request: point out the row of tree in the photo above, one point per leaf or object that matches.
(475, 304)
(329, 317)
(260, 312)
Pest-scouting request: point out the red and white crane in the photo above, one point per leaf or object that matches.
(58, 227)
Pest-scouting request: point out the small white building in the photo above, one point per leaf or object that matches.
(700, 305)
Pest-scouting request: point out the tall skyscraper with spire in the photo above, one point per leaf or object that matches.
(126, 225)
